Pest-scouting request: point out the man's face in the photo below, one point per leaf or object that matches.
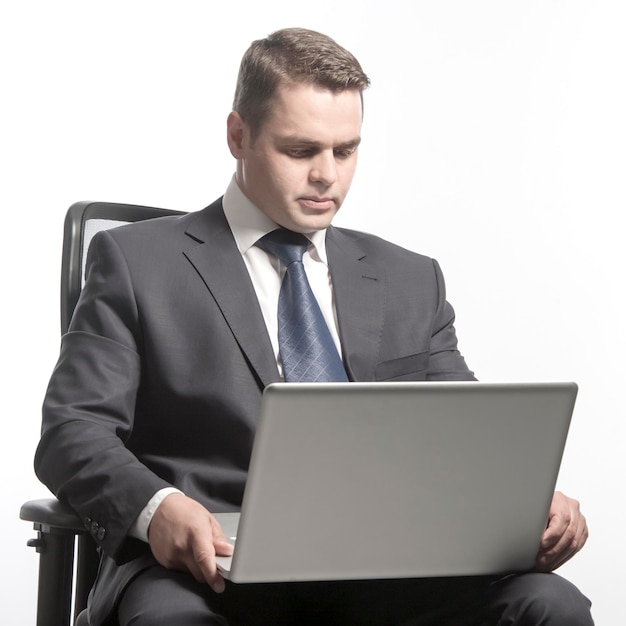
(299, 167)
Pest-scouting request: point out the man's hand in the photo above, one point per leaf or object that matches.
(565, 534)
(184, 536)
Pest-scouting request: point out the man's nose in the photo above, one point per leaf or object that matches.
(324, 168)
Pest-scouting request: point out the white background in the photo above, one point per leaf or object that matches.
(494, 140)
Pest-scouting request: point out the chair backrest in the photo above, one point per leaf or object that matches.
(82, 222)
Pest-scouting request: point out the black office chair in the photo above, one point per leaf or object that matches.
(59, 528)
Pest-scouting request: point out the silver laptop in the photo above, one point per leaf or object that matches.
(353, 481)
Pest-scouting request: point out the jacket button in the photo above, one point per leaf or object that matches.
(87, 523)
(101, 533)
(94, 528)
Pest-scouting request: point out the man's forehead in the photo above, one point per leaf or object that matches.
(286, 94)
(301, 111)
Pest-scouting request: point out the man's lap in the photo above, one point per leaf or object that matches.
(159, 596)
(535, 599)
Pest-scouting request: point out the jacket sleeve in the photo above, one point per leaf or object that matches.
(88, 410)
(445, 361)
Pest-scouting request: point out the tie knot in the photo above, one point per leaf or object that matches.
(285, 244)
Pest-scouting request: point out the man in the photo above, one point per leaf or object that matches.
(150, 414)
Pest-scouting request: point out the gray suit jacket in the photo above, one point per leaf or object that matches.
(161, 373)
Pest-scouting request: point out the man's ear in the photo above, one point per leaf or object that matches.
(235, 133)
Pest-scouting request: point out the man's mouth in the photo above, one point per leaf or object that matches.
(316, 203)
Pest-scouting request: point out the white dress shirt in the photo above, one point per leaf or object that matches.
(248, 224)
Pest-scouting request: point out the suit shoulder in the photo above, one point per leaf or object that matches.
(375, 246)
(158, 230)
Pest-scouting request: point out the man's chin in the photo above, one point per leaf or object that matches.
(311, 222)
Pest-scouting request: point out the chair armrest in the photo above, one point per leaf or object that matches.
(57, 526)
(52, 515)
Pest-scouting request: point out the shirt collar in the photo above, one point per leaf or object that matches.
(248, 223)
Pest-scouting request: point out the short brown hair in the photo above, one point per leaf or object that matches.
(292, 56)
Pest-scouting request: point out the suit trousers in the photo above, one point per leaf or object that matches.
(160, 597)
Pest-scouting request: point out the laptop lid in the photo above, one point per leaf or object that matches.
(390, 480)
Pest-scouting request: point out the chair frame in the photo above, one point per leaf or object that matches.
(59, 528)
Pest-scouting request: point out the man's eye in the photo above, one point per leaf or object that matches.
(298, 153)
(345, 153)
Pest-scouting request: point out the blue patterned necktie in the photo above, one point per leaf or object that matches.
(307, 350)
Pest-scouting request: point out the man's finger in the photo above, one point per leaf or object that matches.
(222, 546)
(204, 556)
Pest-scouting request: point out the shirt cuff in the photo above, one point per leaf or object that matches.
(139, 530)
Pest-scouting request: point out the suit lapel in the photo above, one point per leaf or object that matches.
(217, 260)
(358, 286)
(359, 290)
